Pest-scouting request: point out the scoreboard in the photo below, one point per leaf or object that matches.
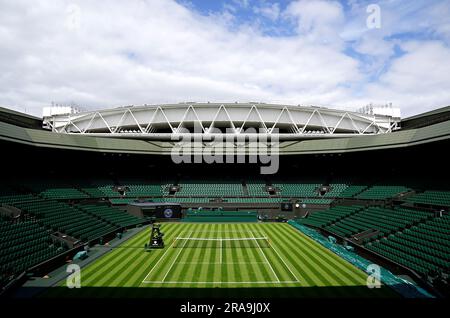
(156, 210)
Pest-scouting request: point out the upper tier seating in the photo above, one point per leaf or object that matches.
(62, 193)
(335, 190)
(94, 192)
(56, 190)
(297, 189)
(351, 191)
(381, 192)
(256, 188)
(143, 190)
(211, 189)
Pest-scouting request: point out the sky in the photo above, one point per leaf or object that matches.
(344, 54)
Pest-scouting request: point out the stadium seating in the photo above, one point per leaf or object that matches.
(424, 248)
(112, 215)
(108, 191)
(317, 201)
(387, 221)
(335, 190)
(327, 217)
(211, 189)
(437, 198)
(67, 219)
(256, 188)
(93, 192)
(297, 189)
(351, 191)
(62, 193)
(220, 216)
(381, 192)
(143, 190)
(419, 240)
(23, 244)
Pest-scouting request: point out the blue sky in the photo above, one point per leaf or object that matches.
(97, 54)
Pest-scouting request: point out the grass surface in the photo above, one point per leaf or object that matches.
(292, 266)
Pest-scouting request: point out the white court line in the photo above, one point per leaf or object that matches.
(167, 273)
(247, 231)
(278, 279)
(145, 281)
(222, 282)
(279, 256)
(168, 249)
(219, 263)
(220, 258)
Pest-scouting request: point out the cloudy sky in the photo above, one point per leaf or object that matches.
(100, 54)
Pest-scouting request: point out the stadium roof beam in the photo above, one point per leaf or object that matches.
(152, 121)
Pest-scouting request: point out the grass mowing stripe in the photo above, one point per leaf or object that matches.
(209, 256)
(251, 254)
(253, 273)
(107, 258)
(352, 273)
(176, 258)
(314, 264)
(155, 255)
(240, 275)
(332, 262)
(191, 254)
(265, 271)
(93, 268)
(102, 268)
(172, 254)
(135, 269)
(106, 265)
(163, 256)
(216, 274)
(192, 272)
(131, 258)
(322, 277)
(284, 267)
(307, 249)
(289, 248)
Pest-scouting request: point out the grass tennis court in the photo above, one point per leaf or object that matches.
(259, 259)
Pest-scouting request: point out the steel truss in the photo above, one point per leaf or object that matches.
(149, 121)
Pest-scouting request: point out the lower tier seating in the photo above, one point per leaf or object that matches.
(23, 244)
(220, 216)
(424, 248)
(67, 219)
(112, 215)
(387, 221)
(437, 198)
(327, 217)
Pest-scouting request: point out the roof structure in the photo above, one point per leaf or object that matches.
(160, 122)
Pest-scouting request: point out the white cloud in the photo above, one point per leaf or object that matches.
(268, 10)
(110, 54)
(319, 20)
(418, 80)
